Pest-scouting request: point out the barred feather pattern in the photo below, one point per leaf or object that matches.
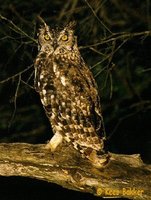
(70, 98)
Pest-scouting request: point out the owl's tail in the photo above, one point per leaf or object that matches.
(99, 159)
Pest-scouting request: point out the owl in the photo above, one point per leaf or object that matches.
(69, 94)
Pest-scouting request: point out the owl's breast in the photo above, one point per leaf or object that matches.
(67, 77)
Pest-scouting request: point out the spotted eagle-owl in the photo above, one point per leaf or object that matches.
(69, 94)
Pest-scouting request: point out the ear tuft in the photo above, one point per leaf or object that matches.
(42, 24)
(71, 25)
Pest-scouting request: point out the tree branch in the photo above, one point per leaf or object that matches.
(125, 176)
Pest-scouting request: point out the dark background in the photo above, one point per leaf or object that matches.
(121, 68)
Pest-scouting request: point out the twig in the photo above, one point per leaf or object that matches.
(26, 83)
(15, 100)
(17, 74)
(94, 13)
(120, 121)
(118, 36)
(17, 29)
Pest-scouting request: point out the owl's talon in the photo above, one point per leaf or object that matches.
(99, 161)
(54, 142)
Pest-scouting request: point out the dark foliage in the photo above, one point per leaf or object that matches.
(114, 38)
(120, 62)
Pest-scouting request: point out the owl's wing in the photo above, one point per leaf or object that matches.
(80, 108)
(95, 98)
(40, 66)
(36, 80)
(37, 74)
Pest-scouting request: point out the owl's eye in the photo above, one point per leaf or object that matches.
(47, 37)
(64, 37)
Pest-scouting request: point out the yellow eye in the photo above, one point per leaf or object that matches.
(64, 37)
(46, 37)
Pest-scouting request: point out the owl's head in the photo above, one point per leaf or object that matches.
(57, 41)
(45, 39)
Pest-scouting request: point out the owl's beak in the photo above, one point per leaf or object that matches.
(55, 45)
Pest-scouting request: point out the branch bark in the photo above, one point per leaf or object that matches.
(125, 176)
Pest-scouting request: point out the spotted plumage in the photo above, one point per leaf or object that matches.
(69, 94)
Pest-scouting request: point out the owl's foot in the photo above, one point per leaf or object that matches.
(99, 161)
(54, 142)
